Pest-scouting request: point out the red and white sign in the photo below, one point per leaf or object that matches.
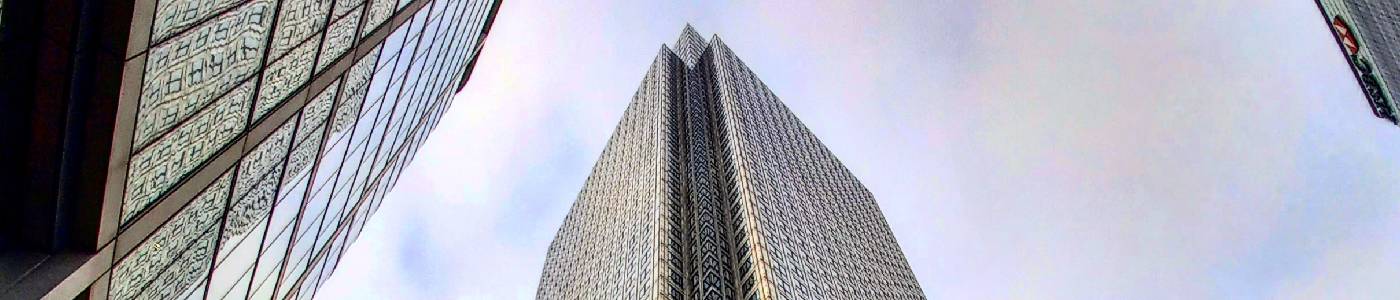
(1345, 34)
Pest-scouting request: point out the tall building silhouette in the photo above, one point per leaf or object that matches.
(1368, 33)
(211, 149)
(710, 188)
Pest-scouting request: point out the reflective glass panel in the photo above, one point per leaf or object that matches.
(186, 73)
(297, 21)
(174, 15)
(339, 37)
(184, 240)
(157, 168)
(283, 77)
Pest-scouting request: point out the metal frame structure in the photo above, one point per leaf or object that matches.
(1368, 33)
(710, 188)
(153, 145)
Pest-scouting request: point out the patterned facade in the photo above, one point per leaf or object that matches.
(252, 139)
(1368, 33)
(710, 188)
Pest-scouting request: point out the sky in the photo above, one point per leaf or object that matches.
(1190, 149)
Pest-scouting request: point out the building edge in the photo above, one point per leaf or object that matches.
(73, 133)
(485, 32)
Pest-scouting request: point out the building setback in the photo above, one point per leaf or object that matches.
(1368, 33)
(214, 149)
(710, 188)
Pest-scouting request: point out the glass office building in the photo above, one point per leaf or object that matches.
(1368, 33)
(710, 188)
(214, 149)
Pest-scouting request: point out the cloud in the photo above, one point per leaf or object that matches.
(1019, 149)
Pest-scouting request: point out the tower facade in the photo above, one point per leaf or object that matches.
(1368, 33)
(710, 188)
(211, 149)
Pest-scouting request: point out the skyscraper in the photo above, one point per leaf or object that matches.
(1368, 33)
(710, 188)
(211, 149)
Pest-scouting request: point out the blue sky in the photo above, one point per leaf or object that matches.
(1020, 149)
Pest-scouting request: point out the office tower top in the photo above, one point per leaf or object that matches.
(211, 149)
(1368, 33)
(710, 188)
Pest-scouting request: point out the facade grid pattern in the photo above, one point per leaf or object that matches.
(254, 138)
(710, 188)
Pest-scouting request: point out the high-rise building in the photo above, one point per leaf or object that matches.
(1368, 33)
(211, 149)
(710, 188)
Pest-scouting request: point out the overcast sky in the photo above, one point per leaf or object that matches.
(1020, 149)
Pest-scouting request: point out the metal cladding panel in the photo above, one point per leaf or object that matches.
(723, 194)
(624, 206)
(819, 231)
(1368, 32)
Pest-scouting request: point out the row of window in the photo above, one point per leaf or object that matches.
(803, 225)
(276, 223)
(217, 67)
(792, 180)
(617, 214)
